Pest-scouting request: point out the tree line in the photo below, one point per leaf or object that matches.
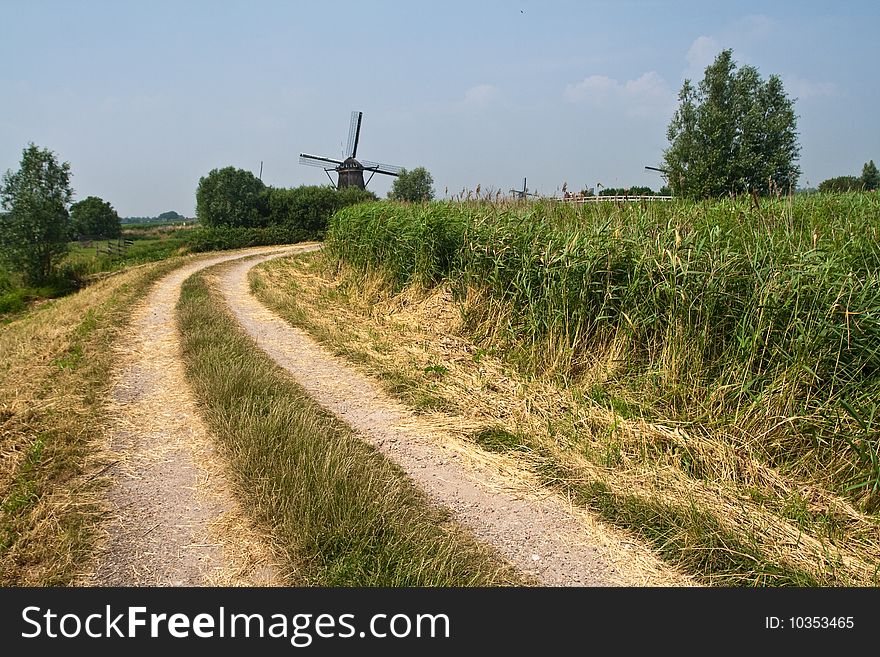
(169, 216)
(235, 198)
(868, 181)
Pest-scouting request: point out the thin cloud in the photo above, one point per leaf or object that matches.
(644, 96)
(803, 88)
(702, 52)
(476, 99)
(480, 96)
(755, 26)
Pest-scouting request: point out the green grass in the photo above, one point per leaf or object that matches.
(148, 245)
(499, 439)
(707, 507)
(343, 514)
(765, 321)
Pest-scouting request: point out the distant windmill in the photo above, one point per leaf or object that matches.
(663, 172)
(522, 193)
(350, 170)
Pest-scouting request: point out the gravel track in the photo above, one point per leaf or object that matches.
(173, 518)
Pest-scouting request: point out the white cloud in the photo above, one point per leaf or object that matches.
(476, 99)
(797, 87)
(702, 52)
(595, 88)
(643, 96)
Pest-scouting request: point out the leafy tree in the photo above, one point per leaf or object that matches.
(35, 230)
(841, 184)
(414, 186)
(94, 217)
(309, 207)
(733, 133)
(171, 215)
(231, 197)
(870, 176)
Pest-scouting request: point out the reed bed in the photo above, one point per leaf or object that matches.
(758, 323)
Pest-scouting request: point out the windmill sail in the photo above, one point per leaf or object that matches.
(387, 169)
(316, 161)
(354, 133)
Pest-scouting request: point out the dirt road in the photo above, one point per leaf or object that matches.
(175, 521)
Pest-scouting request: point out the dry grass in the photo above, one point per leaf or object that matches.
(54, 369)
(342, 513)
(703, 498)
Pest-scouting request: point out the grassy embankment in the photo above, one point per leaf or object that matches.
(342, 513)
(85, 264)
(704, 375)
(55, 365)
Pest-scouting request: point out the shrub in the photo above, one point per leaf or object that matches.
(309, 207)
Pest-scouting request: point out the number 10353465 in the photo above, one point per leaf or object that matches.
(809, 622)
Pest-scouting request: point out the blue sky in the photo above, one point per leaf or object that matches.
(144, 98)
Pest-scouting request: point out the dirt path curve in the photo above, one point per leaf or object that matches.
(545, 538)
(174, 521)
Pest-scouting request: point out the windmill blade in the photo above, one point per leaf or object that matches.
(387, 169)
(354, 133)
(317, 161)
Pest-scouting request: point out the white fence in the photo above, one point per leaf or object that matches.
(576, 198)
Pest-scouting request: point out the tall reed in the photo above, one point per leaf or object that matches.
(763, 319)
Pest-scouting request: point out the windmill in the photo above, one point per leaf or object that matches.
(350, 170)
(522, 193)
(663, 172)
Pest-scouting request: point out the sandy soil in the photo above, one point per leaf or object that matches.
(173, 517)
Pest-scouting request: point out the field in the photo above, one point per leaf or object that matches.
(705, 375)
(140, 243)
(87, 261)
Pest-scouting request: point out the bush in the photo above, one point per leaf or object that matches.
(219, 238)
(309, 207)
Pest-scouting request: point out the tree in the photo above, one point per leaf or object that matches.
(870, 176)
(841, 184)
(94, 217)
(414, 186)
(171, 215)
(733, 133)
(35, 230)
(231, 197)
